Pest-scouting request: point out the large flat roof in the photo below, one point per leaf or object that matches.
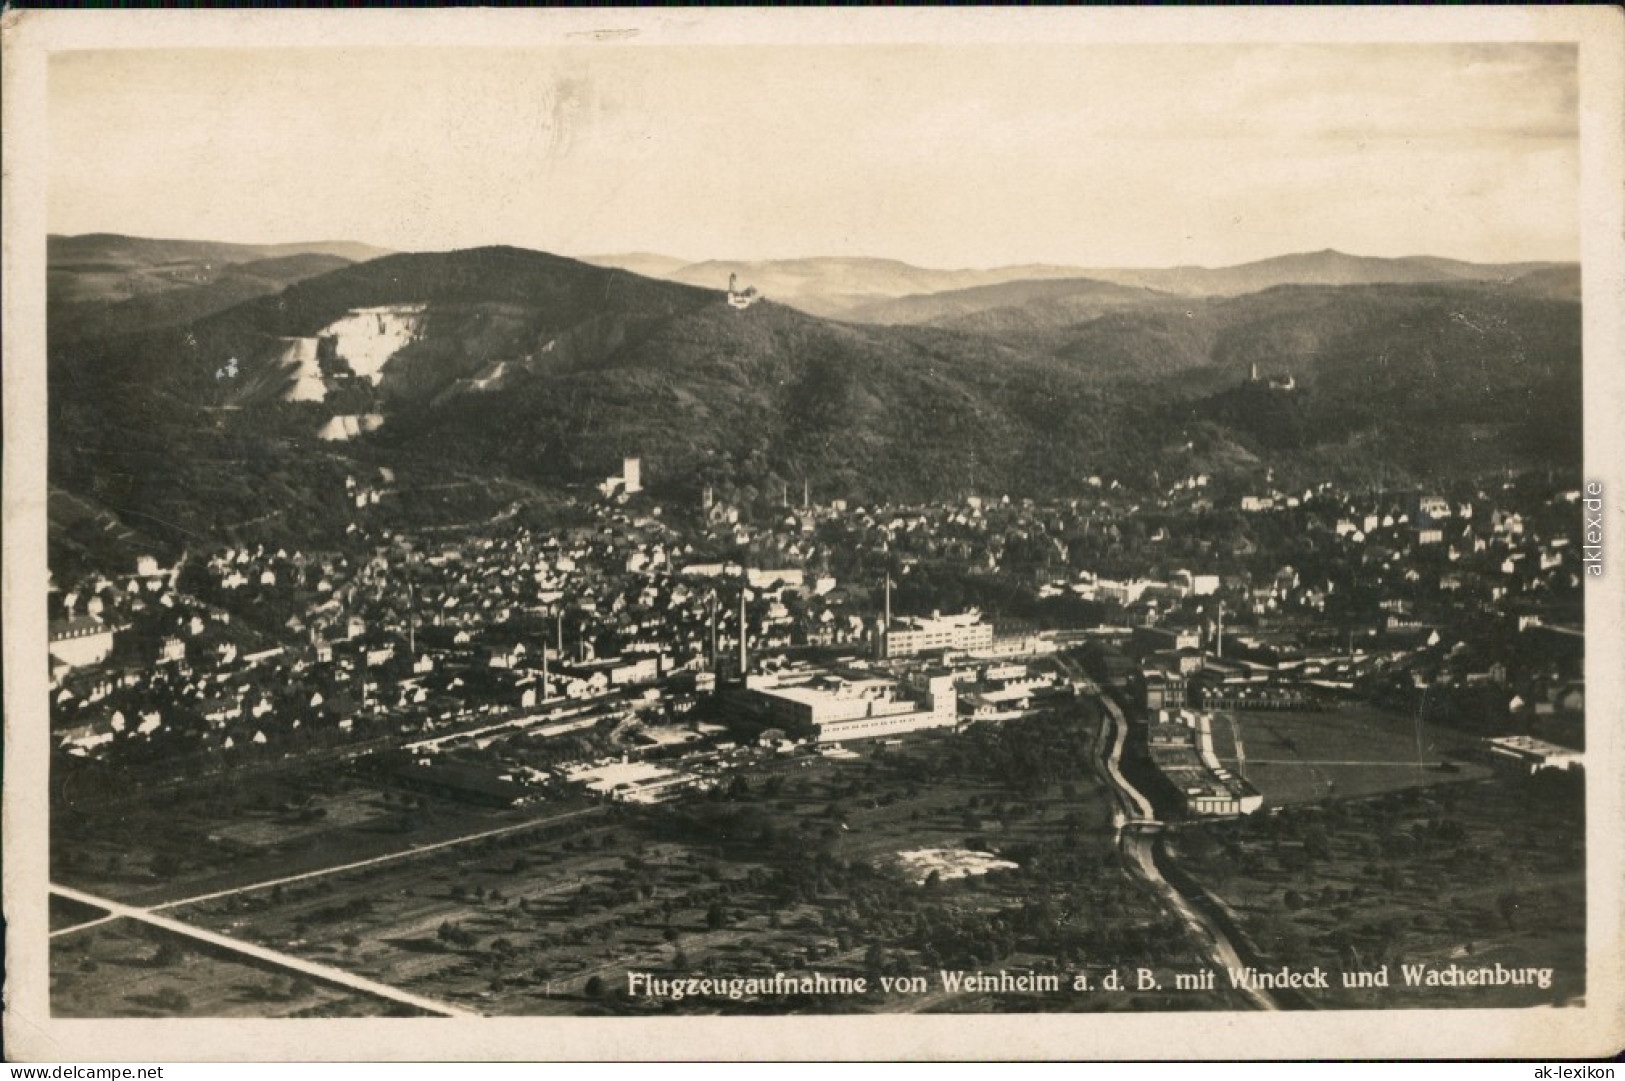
(809, 694)
(1531, 745)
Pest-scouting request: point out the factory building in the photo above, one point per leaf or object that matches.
(911, 636)
(1526, 753)
(1180, 744)
(853, 704)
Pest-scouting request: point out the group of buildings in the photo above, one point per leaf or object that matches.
(401, 637)
(944, 687)
(1179, 744)
(1468, 602)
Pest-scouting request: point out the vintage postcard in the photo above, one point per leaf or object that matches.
(778, 534)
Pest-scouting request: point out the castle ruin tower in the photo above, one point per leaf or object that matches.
(632, 475)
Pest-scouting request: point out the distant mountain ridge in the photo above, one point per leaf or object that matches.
(64, 250)
(102, 283)
(1066, 300)
(1327, 267)
(648, 264)
(231, 284)
(830, 286)
(890, 291)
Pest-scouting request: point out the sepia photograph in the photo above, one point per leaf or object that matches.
(797, 534)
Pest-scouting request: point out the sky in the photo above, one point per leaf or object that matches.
(945, 156)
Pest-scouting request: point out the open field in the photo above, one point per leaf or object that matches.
(793, 869)
(1474, 874)
(124, 969)
(225, 835)
(1350, 751)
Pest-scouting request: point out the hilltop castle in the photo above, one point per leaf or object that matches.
(1283, 381)
(739, 299)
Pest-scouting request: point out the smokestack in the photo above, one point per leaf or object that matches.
(806, 494)
(884, 645)
(744, 634)
(715, 660)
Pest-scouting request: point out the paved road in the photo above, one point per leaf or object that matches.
(97, 922)
(1138, 839)
(1135, 807)
(325, 973)
(1140, 843)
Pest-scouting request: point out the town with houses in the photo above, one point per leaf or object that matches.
(735, 735)
(654, 636)
(1006, 574)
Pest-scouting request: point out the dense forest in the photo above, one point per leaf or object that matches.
(533, 370)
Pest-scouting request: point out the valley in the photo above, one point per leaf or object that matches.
(473, 632)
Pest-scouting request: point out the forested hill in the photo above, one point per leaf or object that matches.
(103, 283)
(503, 363)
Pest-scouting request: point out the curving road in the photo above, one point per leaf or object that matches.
(1138, 836)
